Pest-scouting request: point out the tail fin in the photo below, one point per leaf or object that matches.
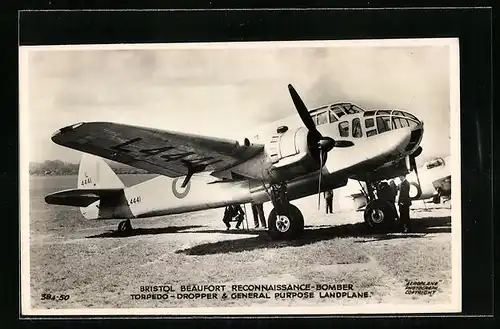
(99, 192)
(95, 173)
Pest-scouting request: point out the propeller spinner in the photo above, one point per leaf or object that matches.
(324, 144)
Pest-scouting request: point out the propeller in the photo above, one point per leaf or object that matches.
(413, 164)
(323, 143)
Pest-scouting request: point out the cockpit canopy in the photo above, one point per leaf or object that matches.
(375, 121)
(332, 113)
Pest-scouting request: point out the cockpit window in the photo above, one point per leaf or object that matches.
(369, 113)
(371, 132)
(383, 112)
(412, 123)
(338, 110)
(322, 118)
(383, 124)
(344, 129)
(408, 115)
(350, 109)
(356, 128)
(333, 118)
(396, 123)
(369, 123)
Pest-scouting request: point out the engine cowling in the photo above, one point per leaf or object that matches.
(291, 155)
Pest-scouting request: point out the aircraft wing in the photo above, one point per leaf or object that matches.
(162, 152)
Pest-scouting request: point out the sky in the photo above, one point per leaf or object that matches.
(226, 89)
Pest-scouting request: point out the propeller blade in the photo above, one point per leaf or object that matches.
(342, 143)
(416, 171)
(303, 112)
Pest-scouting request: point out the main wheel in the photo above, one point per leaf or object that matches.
(380, 215)
(289, 224)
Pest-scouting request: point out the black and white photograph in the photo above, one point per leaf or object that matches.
(252, 178)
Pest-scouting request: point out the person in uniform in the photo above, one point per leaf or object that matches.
(233, 211)
(258, 213)
(394, 190)
(404, 203)
(329, 201)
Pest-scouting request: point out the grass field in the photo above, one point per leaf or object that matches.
(99, 268)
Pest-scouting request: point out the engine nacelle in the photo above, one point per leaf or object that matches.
(290, 155)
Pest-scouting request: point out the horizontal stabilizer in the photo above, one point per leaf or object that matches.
(80, 197)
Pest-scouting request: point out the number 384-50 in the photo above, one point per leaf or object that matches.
(54, 297)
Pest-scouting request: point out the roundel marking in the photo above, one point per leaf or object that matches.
(180, 194)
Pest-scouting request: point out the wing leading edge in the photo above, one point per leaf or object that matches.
(167, 153)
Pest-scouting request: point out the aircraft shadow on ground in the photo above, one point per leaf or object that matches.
(144, 231)
(420, 228)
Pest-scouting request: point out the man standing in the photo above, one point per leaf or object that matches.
(329, 201)
(258, 213)
(404, 203)
(394, 190)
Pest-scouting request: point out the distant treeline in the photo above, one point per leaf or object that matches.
(58, 167)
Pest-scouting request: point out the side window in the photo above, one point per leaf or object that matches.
(333, 118)
(369, 123)
(371, 133)
(322, 118)
(356, 128)
(344, 129)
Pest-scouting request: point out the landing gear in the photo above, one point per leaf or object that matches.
(125, 226)
(285, 221)
(379, 215)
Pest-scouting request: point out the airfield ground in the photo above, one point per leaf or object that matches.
(100, 268)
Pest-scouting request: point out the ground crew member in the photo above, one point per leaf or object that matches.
(404, 203)
(233, 211)
(394, 190)
(329, 201)
(258, 213)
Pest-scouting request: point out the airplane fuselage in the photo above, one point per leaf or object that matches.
(376, 153)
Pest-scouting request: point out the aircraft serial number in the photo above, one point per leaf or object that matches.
(205, 161)
(135, 200)
(54, 297)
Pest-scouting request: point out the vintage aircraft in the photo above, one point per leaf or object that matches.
(281, 163)
(433, 181)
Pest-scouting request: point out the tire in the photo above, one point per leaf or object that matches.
(379, 215)
(287, 225)
(121, 226)
(125, 226)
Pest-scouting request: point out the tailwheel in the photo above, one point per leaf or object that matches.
(288, 224)
(125, 226)
(379, 215)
